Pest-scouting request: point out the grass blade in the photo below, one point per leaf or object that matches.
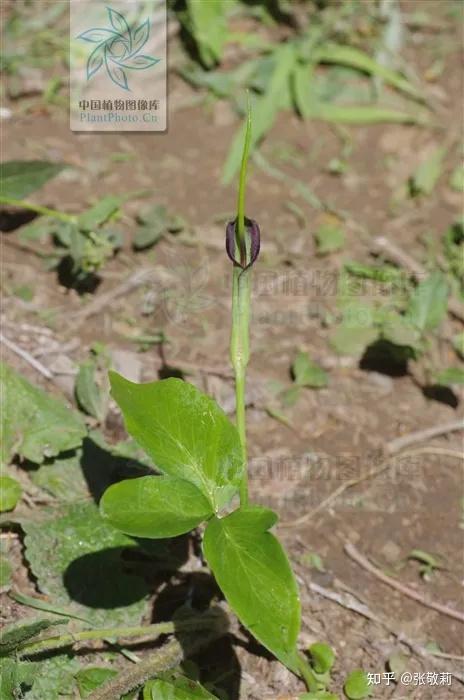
(348, 56)
(264, 110)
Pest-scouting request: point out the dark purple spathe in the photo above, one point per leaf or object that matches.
(252, 230)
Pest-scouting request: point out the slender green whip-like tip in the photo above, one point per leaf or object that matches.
(242, 179)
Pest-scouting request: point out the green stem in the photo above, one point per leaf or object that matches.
(145, 631)
(240, 353)
(22, 204)
(307, 673)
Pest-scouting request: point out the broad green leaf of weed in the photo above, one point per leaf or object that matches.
(453, 249)
(63, 232)
(33, 424)
(54, 679)
(185, 433)
(451, 375)
(329, 238)
(154, 506)
(152, 225)
(290, 397)
(400, 330)
(341, 85)
(254, 574)
(62, 478)
(38, 230)
(308, 373)
(21, 178)
(180, 688)
(91, 678)
(457, 179)
(352, 340)
(359, 324)
(16, 676)
(458, 344)
(302, 89)
(10, 493)
(65, 476)
(426, 176)
(207, 23)
(87, 572)
(379, 273)
(89, 394)
(429, 302)
(153, 216)
(99, 213)
(24, 292)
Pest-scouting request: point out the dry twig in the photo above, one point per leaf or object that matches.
(26, 356)
(103, 300)
(399, 444)
(360, 559)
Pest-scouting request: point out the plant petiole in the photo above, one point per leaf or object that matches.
(45, 211)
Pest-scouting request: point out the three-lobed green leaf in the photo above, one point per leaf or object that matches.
(154, 506)
(192, 441)
(254, 574)
(185, 433)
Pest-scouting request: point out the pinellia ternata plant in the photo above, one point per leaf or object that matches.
(202, 458)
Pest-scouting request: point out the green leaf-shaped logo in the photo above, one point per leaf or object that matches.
(118, 49)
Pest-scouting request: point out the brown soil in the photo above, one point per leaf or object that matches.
(415, 504)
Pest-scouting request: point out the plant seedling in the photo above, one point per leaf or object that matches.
(202, 458)
(357, 685)
(428, 563)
